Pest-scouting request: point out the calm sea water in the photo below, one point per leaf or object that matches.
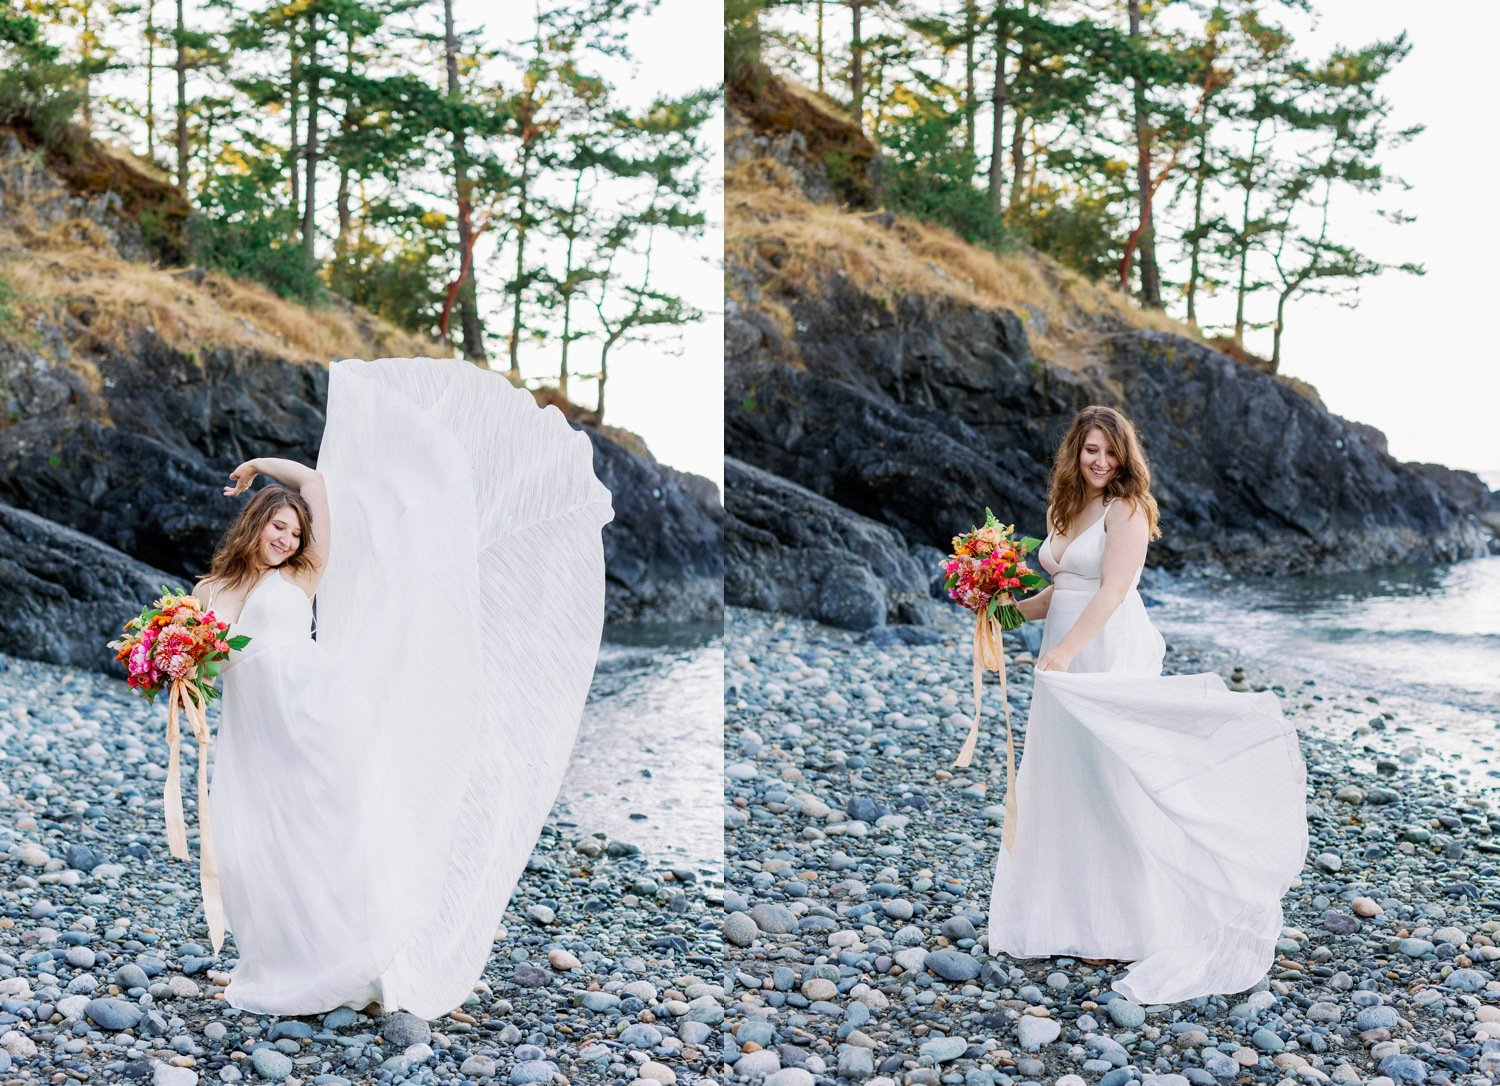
(649, 764)
(1424, 640)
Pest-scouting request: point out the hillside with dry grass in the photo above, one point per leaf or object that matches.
(87, 266)
(909, 377)
(780, 214)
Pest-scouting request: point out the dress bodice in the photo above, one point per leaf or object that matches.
(276, 612)
(1082, 559)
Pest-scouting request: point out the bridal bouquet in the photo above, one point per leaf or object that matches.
(986, 566)
(173, 640)
(175, 645)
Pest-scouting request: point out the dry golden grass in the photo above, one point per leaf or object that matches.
(772, 227)
(112, 299)
(66, 273)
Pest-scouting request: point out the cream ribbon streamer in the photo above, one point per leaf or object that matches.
(989, 655)
(182, 697)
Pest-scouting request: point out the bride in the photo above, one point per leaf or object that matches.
(1160, 819)
(377, 790)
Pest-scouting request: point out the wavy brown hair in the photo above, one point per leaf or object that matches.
(1131, 480)
(237, 558)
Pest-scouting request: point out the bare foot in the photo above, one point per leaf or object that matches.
(1100, 961)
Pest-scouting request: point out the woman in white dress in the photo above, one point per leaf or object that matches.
(1160, 819)
(377, 790)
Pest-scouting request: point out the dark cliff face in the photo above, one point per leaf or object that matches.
(140, 463)
(139, 466)
(921, 412)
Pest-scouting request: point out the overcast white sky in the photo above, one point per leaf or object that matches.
(675, 402)
(1413, 357)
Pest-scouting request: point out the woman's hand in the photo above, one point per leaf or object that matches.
(243, 476)
(1058, 659)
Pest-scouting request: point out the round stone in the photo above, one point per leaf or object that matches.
(760, 1062)
(652, 1071)
(477, 1066)
(1034, 1032)
(1126, 1013)
(817, 988)
(113, 1014)
(640, 1035)
(943, 1049)
(740, 929)
(953, 965)
(1466, 980)
(270, 1064)
(774, 919)
(1381, 1017)
(790, 1076)
(404, 1030)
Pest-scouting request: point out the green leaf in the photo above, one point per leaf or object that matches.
(238, 641)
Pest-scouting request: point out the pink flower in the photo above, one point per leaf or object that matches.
(179, 664)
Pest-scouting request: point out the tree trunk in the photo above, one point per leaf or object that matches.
(182, 137)
(86, 43)
(523, 209)
(997, 122)
(856, 67)
(1195, 250)
(346, 126)
(971, 102)
(568, 286)
(468, 299)
(294, 108)
(1281, 300)
(1150, 279)
(310, 205)
(1244, 240)
(603, 380)
(151, 81)
(1019, 125)
(818, 54)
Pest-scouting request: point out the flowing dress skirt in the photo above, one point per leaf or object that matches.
(1160, 818)
(377, 792)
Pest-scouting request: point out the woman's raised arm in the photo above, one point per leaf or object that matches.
(305, 481)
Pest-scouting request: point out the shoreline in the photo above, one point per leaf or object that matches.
(605, 967)
(858, 868)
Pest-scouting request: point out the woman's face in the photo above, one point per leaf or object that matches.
(281, 537)
(1097, 460)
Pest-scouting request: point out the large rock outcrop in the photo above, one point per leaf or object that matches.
(921, 413)
(789, 550)
(63, 595)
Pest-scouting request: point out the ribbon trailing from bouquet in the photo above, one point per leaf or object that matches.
(989, 655)
(183, 698)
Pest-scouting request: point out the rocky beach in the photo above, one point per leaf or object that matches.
(607, 967)
(858, 869)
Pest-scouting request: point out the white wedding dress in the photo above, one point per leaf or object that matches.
(1160, 819)
(377, 791)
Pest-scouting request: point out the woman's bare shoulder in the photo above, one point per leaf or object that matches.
(1125, 511)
